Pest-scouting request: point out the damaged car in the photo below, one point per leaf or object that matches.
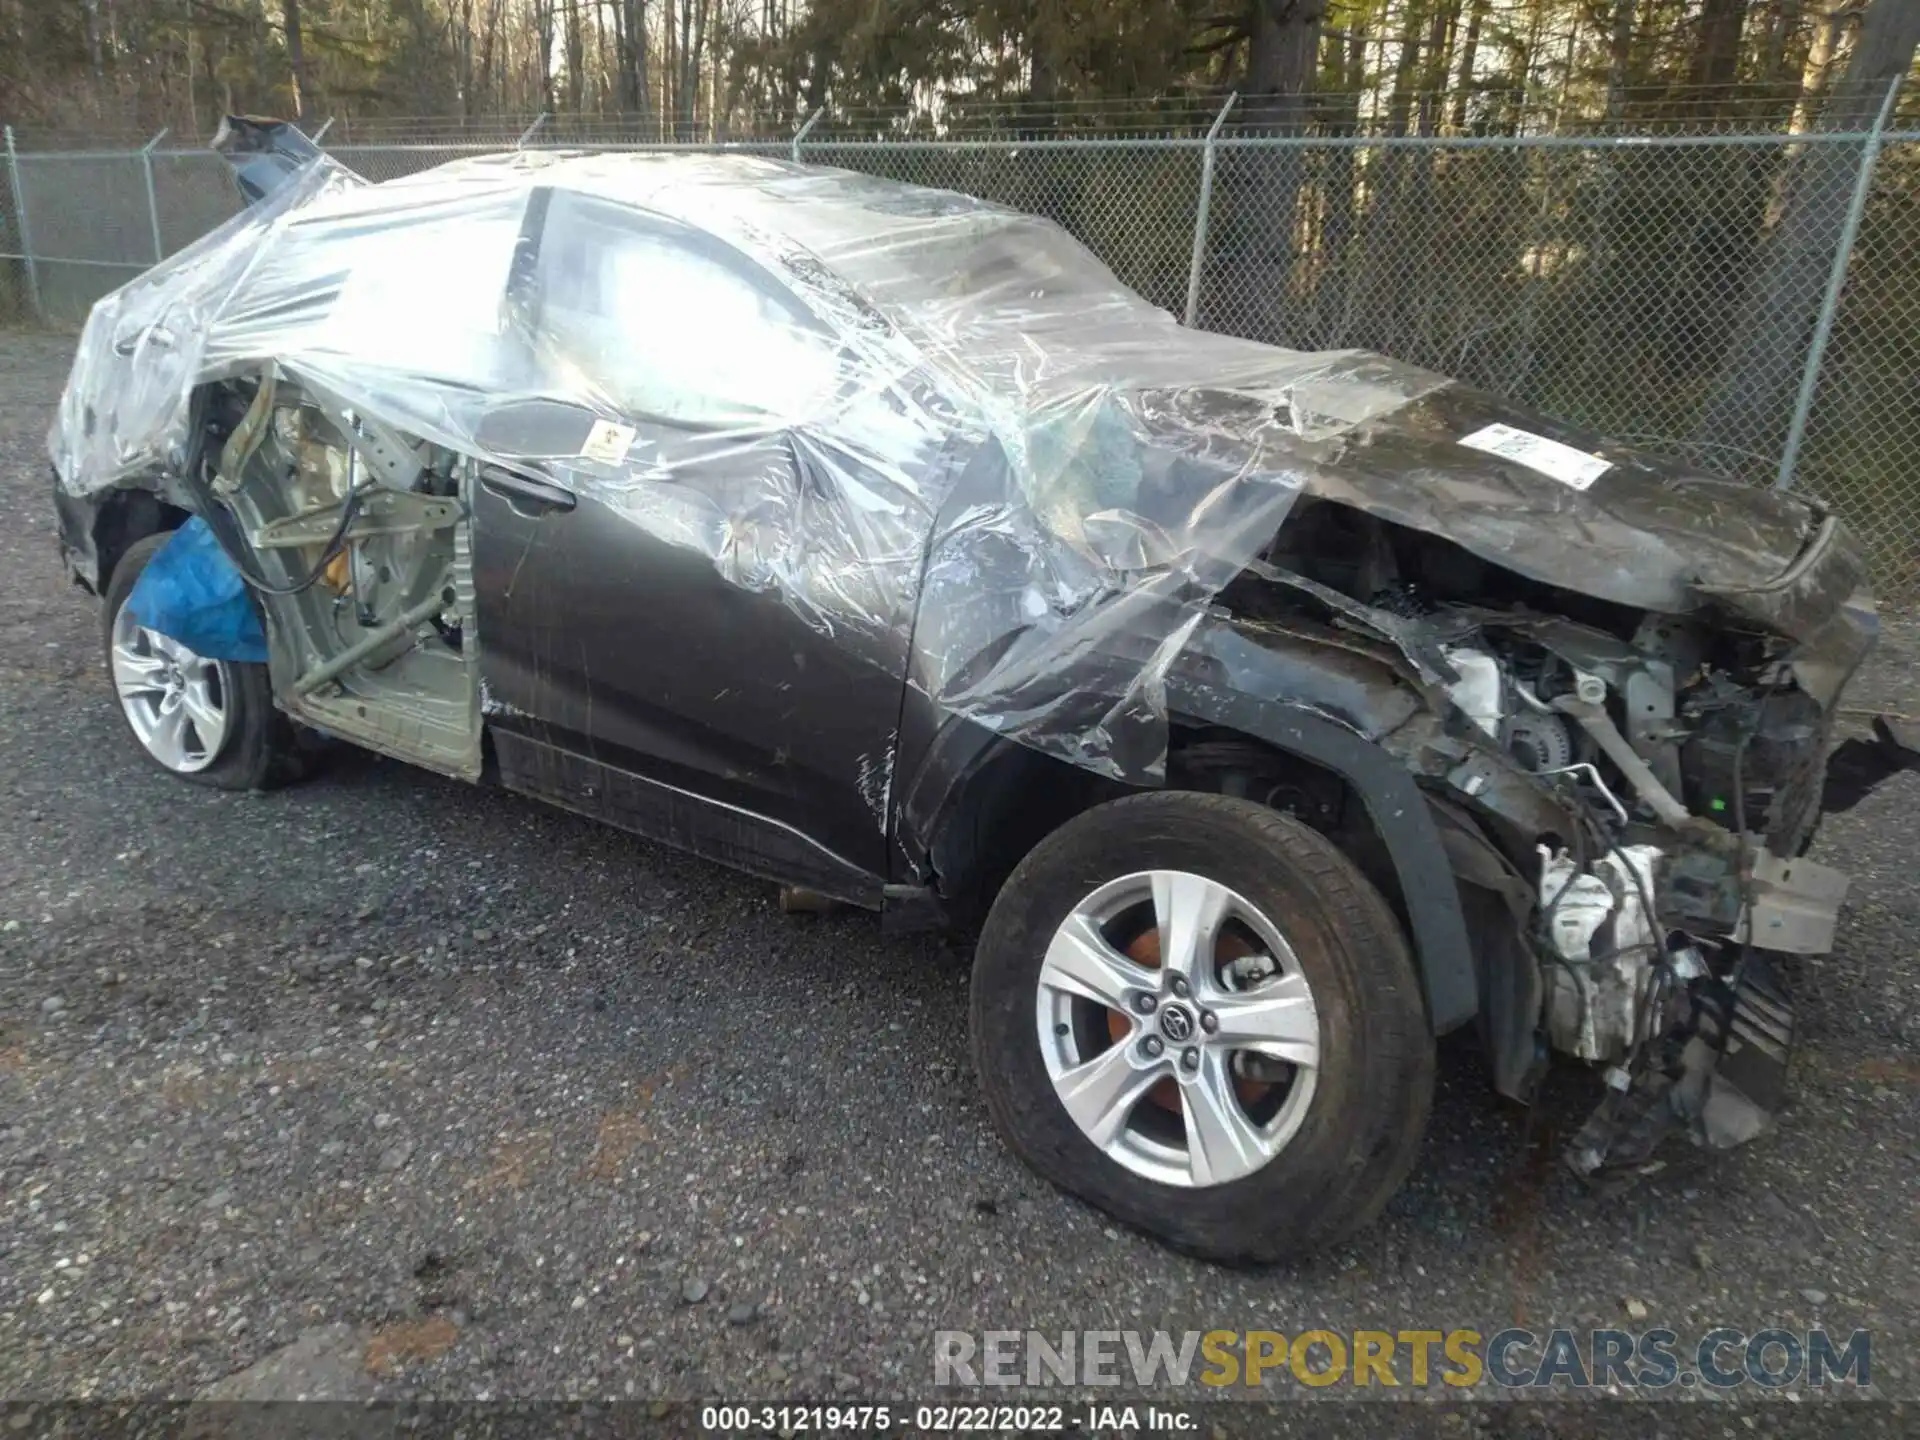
(1271, 714)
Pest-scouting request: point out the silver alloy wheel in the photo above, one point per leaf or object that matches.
(175, 700)
(1186, 1021)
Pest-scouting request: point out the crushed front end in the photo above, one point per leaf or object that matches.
(1627, 795)
(1692, 759)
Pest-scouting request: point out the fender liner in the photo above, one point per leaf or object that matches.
(1398, 809)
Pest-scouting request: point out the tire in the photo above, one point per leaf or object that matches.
(259, 749)
(1359, 1128)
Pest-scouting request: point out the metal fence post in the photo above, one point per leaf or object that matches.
(1202, 213)
(801, 133)
(1836, 281)
(20, 220)
(153, 202)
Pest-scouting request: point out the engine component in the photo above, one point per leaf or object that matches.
(1480, 690)
(1588, 707)
(1796, 905)
(1599, 926)
(1776, 744)
(1505, 709)
(1540, 742)
(1594, 787)
(1702, 890)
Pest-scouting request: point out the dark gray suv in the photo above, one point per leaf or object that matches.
(1270, 713)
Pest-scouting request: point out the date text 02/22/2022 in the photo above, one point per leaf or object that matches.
(946, 1419)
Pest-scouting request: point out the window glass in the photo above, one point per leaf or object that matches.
(658, 322)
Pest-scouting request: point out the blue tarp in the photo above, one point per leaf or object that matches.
(191, 592)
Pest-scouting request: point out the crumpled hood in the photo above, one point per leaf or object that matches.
(1643, 533)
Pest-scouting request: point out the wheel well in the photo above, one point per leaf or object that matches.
(126, 517)
(1019, 796)
(1227, 762)
(1009, 803)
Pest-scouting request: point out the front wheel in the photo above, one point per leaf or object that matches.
(1197, 1014)
(212, 722)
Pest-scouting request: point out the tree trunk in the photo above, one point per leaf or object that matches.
(193, 98)
(1619, 58)
(1441, 28)
(1787, 15)
(543, 53)
(818, 73)
(687, 83)
(608, 65)
(463, 59)
(262, 80)
(669, 75)
(1819, 66)
(296, 55)
(641, 83)
(488, 43)
(1716, 55)
(696, 67)
(1260, 189)
(1405, 68)
(1749, 409)
(630, 45)
(1339, 267)
(1284, 45)
(1469, 57)
(576, 56)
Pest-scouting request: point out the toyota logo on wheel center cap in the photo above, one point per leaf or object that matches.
(1176, 1023)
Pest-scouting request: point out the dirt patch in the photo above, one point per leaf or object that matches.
(412, 1343)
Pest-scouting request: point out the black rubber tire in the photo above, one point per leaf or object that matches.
(1363, 1127)
(263, 749)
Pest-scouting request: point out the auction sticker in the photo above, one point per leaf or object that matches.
(608, 442)
(1562, 462)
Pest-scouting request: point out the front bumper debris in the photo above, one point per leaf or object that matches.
(1695, 1030)
(1719, 1079)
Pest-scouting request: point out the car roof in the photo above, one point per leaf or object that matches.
(700, 187)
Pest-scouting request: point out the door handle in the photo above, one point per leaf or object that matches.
(526, 494)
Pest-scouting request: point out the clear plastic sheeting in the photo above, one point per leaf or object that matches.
(904, 412)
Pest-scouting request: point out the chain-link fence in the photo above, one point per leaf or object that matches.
(1747, 302)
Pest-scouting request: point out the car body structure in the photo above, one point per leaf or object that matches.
(1271, 713)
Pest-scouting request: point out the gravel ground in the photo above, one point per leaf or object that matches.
(465, 1097)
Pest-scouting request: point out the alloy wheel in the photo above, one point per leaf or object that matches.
(175, 699)
(1178, 1028)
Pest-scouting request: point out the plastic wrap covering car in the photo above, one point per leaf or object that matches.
(924, 411)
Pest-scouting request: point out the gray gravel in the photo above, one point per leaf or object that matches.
(506, 1104)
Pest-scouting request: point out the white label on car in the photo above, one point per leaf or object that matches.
(608, 442)
(1564, 463)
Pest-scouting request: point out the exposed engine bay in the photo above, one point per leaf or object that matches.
(1655, 876)
(364, 545)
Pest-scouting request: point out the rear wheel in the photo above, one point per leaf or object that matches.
(209, 721)
(1195, 1013)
